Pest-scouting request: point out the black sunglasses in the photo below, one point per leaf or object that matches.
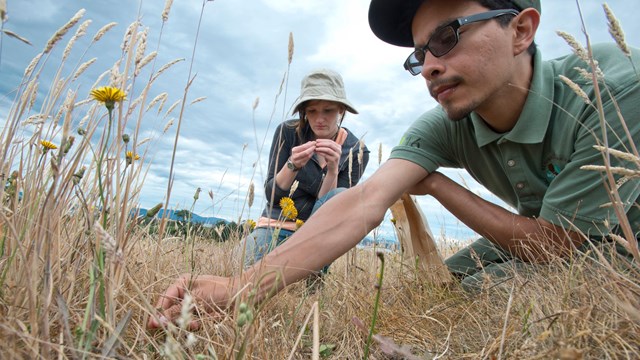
(445, 38)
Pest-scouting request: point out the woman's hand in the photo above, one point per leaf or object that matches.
(301, 154)
(209, 294)
(330, 151)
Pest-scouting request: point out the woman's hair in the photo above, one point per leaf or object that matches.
(506, 19)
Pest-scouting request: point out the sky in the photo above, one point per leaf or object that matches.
(240, 60)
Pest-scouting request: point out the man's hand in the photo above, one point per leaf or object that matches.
(210, 294)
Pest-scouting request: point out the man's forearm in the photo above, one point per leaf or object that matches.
(528, 238)
(320, 241)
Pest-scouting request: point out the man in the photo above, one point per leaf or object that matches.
(505, 116)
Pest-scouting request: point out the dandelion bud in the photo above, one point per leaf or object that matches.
(243, 307)
(68, 144)
(81, 131)
(125, 138)
(78, 175)
(197, 194)
(154, 210)
(242, 319)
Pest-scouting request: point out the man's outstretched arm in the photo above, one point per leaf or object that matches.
(334, 229)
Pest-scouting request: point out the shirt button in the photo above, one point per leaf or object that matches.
(520, 185)
(511, 163)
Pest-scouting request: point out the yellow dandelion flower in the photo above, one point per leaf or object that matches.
(130, 155)
(299, 223)
(48, 145)
(251, 224)
(286, 202)
(290, 212)
(108, 95)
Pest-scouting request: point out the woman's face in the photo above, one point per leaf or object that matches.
(323, 117)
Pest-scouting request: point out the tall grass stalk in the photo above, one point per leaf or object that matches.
(190, 79)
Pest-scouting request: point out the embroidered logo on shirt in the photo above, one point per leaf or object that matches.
(552, 171)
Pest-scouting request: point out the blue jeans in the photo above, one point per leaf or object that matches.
(263, 240)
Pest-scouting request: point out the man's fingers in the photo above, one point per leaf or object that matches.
(164, 317)
(173, 294)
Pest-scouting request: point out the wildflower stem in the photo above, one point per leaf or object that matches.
(375, 305)
(99, 169)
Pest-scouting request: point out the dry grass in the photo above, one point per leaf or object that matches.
(69, 289)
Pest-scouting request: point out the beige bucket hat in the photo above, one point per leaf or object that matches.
(323, 84)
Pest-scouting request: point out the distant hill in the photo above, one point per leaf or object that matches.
(195, 218)
(379, 242)
(382, 240)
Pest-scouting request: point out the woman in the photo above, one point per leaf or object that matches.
(313, 151)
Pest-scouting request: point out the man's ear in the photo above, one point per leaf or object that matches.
(525, 26)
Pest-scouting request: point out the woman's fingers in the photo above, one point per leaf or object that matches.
(301, 154)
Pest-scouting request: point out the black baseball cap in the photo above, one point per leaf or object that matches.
(390, 20)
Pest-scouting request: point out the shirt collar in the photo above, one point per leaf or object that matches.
(532, 125)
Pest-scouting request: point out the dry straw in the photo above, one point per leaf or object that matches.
(3, 10)
(165, 67)
(290, 48)
(82, 68)
(619, 154)
(575, 45)
(32, 65)
(16, 36)
(251, 194)
(197, 100)
(127, 36)
(63, 31)
(168, 125)
(162, 97)
(82, 30)
(379, 153)
(613, 169)
(616, 30)
(103, 30)
(146, 60)
(142, 45)
(576, 89)
(166, 10)
(172, 107)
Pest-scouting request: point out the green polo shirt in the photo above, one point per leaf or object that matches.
(536, 167)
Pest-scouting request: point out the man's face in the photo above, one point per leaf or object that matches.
(475, 74)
